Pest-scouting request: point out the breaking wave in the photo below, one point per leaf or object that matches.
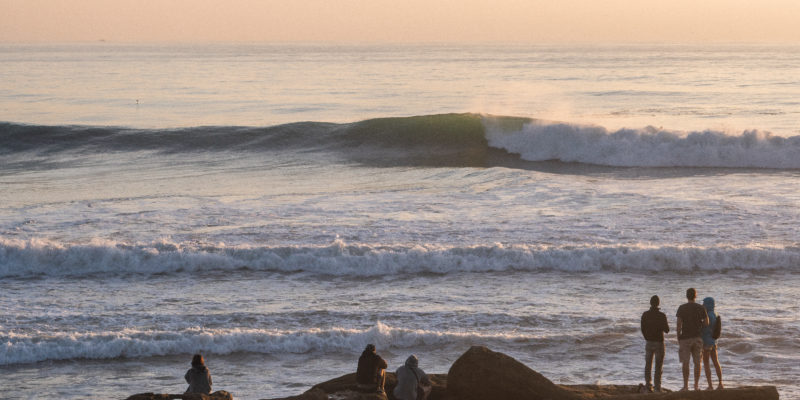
(41, 258)
(469, 140)
(137, 343)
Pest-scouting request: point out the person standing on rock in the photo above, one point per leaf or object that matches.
(412, 382)
(371, 371)
(692, 317)
(654, 326)
(710, 335)
(198, 377)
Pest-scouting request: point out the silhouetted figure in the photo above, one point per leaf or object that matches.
(710, 334)
(371, 371)
(412, 383)
(654, 326)
(692, 318)
(198, 377)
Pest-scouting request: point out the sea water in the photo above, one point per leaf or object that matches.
(277, 207)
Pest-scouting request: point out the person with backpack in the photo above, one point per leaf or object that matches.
(654, 326)
(371, 370)
(710, 334)
(412, 383)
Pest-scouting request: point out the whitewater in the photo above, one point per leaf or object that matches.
(278, 207)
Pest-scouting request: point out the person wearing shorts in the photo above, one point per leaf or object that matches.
(692, 317)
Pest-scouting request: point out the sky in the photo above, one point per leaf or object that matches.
(415, 21)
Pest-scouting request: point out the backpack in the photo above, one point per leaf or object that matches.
(420, 390)
(717, 331)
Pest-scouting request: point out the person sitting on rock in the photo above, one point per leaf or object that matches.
(198, 377)
(412, 383)
(371, 371)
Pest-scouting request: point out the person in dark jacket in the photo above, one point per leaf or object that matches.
(198, 377)
(654, 326)
(371, 371)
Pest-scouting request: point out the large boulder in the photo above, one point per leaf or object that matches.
(218, 395)
(482, 374)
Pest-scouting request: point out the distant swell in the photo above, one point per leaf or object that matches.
(457, 140)
(41, 258)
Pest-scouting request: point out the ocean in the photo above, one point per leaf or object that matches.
(276, 207)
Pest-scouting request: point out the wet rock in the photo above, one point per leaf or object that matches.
(218, 395)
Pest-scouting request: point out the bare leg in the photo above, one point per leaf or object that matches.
(696, 372)
(715, 359)
(381, 379)
(707, 368)
(685, 374)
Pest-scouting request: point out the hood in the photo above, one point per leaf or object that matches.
(412, 361)
(708, 303)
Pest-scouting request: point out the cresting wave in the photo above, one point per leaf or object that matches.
(136, 343)
(469, 140)
(42, 258)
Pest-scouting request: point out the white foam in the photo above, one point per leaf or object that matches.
(648, 147)
(36, 257)
(136, 343)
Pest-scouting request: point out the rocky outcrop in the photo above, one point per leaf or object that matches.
(218, 395)
(482, 374)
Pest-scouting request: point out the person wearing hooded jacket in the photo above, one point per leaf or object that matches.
(710, 343)
(654, 326)
(198, 377)
(409, 377)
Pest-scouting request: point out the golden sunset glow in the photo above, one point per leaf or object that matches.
(396, 21)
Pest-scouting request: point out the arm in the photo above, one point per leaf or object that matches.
(424, 379)
(705, 317)
(665, 324)
(187, 377)
(642, 325)
(678, 327)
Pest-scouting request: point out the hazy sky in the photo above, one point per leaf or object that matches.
(533, 21)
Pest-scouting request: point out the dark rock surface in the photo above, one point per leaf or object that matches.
(481, 374)
(218, 395)
(346, 388)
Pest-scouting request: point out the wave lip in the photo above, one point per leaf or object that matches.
(454, 140)
(648, 147)
(42, 258)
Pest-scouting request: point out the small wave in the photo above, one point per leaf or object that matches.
(43, 258)
(136, 343)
